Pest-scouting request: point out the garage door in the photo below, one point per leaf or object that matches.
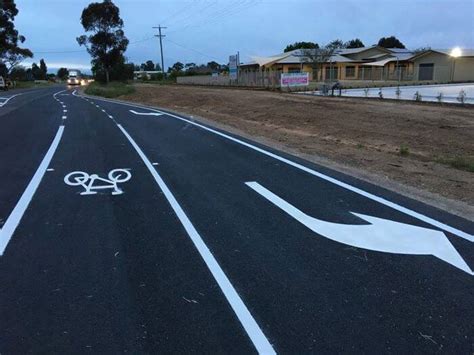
(426, 71)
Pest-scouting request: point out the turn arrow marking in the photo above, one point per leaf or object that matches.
(146, 113)
(380, 235)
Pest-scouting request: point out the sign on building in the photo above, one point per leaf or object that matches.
(294, 79)
(233, 64)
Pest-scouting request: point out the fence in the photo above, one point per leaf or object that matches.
(364, 76)
(435, 73)
(250, 78)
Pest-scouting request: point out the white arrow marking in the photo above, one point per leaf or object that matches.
(146, 113)
(380, 235)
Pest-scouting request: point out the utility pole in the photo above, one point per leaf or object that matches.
(161, 46)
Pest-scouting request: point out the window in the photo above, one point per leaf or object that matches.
(350, 71)
(426, 71)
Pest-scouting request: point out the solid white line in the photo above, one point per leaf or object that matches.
(366, 194)
(15, 216)
(9, 98)
(253, 330)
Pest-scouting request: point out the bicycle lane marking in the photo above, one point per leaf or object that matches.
(246, 319)
(13, 220)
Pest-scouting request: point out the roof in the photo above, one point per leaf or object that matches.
(298, 56)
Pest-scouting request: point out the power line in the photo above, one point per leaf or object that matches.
(191, 49)
(84, 50)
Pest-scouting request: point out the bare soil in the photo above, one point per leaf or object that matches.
(360, 136)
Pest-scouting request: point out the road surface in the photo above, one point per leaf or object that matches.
(129, 229)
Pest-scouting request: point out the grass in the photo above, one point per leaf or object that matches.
(404, 151)
(110, 90)
(460, 163)
(30, 84)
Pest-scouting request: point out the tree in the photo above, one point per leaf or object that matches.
(336, 44)
(300, 45)
(107, 43)
(148, 66)
(214, 66)
(18, 73)
(318, 56)
(62, 73)
(157, 67)
(10, 52)
(177, 67)
(390, 42)
(354, 43)
(43, 70)
(36, 71)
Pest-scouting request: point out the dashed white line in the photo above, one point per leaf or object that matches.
(64, 117)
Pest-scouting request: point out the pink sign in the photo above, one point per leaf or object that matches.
(294, 79)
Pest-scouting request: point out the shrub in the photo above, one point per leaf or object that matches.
(461, 97)
(417, 96)
(404, 150)
(398, 92)
(440, 97)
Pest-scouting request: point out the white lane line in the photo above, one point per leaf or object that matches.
(330, 179)
(64, 117)
(64, 111)
(253, 330)
(103, 110)
(110, 116)
(15, 216)
(50, 169)
(8, 99)
(146, 113)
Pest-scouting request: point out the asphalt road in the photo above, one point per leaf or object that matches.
(128, 229)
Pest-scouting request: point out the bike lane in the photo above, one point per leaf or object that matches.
(313, 294)
(107, 272)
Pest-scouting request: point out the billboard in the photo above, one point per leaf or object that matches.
(294, 79)
(233, 62)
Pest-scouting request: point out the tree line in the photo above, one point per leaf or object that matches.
(386, 42)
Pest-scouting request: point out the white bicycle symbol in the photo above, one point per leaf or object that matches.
(81, 178)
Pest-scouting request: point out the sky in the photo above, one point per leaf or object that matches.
(200, 31)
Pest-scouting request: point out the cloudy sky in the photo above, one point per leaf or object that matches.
(203, 30)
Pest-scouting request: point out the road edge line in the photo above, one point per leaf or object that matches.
(253, 330)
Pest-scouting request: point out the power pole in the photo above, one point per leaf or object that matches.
(161, 46)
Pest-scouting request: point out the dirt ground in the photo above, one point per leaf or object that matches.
(360, 136)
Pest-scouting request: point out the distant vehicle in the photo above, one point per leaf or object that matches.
(3, 84)
(74, 78)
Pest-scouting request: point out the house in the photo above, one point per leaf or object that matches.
(370, 64)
